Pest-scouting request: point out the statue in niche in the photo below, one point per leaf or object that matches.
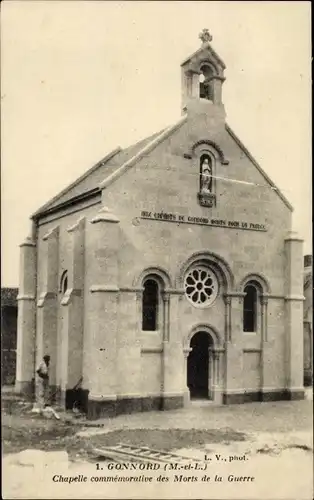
(206, 175)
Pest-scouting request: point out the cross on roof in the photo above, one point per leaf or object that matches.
(205, 36)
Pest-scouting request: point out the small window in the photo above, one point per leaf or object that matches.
(250, 308)
(150, 305)
(64, 282)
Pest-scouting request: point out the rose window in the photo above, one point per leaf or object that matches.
(201, 286)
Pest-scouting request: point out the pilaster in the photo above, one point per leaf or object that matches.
(294, 316)
(268, 390)
(103, 313)
(47, 304)
(71, 348)
(217, 82)
(26, 327)
(128, 352)
(173, 364)
(189, 87)
(233, 387)
(173, 385)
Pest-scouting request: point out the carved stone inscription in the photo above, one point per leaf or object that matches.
(203, 221)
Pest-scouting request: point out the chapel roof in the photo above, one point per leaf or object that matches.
(96, 174)
(112, 165)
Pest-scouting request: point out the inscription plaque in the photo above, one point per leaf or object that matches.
(202, 221)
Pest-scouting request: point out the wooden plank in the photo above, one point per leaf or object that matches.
(174, 455)
(126, 455)
(141, 454)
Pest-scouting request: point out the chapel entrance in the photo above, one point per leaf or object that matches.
(198, 366)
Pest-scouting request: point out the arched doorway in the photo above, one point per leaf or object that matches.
(198, 366)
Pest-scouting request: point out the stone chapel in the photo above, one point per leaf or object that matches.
(167, 272)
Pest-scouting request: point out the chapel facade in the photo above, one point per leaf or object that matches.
(167, 272)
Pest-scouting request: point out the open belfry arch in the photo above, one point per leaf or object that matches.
(177, 279)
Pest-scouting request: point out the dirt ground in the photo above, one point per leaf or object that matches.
(192, 428)
(22, 430)
(276, 439)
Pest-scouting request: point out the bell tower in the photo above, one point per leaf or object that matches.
(202, 75)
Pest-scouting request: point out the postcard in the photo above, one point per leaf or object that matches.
(156, 299)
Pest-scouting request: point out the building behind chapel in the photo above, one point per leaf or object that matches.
(167, 272)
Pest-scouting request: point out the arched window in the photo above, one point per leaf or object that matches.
(64, 282)
(250, 308)
(150, 305)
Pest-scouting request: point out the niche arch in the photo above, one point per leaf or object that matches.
(205, 144)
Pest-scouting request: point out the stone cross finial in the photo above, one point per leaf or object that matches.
(205, 36)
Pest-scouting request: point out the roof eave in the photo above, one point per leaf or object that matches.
(207, 46)
(87, 195)
(44, 208)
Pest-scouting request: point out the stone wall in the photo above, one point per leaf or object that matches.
(166, 181)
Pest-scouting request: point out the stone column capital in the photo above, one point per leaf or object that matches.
(186, 351)
(139, 293)
(227, 300)
(234, 295)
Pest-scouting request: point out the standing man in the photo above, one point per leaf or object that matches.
(43, 383)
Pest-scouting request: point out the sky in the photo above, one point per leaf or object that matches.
(80, 78)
